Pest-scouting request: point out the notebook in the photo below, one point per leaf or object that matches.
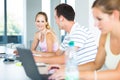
(29, 65)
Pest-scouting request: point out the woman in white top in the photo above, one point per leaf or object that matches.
(45, 38)
(107, 19)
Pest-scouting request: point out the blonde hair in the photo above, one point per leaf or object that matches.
(46, 18)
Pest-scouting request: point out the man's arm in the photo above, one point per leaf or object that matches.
(100, 57)
(59, 58)
(51, 60)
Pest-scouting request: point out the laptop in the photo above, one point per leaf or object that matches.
(29, 65)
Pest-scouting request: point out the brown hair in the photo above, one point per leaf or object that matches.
(46, 18)
(65, 10)
(107, 6)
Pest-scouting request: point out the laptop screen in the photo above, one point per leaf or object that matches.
(28, 63)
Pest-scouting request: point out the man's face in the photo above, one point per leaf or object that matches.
(57, 19)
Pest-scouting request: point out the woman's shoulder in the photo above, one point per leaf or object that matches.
(50, 34)
(48, 31)
(103, 39)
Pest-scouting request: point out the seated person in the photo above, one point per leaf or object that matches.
(45, 38)
(84, 41)
(107, 18)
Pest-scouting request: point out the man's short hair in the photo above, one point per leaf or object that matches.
(65, 10)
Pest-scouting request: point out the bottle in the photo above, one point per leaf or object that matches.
(71, 70)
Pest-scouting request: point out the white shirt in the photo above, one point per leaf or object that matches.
(83, 39)
(112, 60)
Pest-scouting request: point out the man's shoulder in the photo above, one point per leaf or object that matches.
(78, 26)
(81, 29)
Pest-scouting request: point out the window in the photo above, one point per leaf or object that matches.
(1, 19)
(11, 21)
(45, 8)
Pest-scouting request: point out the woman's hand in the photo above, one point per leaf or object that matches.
(15, 52)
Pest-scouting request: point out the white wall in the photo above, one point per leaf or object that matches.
(82, 10)
(83, 16)
(91, 23)
(53, 23)
(32, 7)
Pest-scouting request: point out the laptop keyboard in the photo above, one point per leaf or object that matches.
(45, 76)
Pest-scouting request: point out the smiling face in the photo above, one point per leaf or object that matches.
(41, 22)
(103, 21)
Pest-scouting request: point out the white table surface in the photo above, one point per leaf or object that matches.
(11, 71)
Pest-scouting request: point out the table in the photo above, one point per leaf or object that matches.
(11, 71)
